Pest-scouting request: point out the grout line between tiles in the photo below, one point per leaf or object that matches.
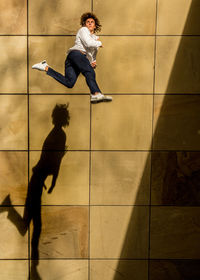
(102, 35)
(108, 151)
(113, 151)
(113, 94)
(152, 137)
(109, 205)
(28, 144)
(90, 166)
(92, 6)
(107, 259)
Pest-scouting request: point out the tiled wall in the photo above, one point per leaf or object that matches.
(126, 202)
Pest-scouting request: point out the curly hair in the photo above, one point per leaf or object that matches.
(60, 115)
(87, 15)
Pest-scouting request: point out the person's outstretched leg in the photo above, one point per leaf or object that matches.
(71, 73)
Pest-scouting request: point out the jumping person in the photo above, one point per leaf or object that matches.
(81, 58)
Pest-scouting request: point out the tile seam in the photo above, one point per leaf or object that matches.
(152, 133)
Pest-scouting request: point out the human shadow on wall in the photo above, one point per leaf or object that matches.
(53, 151)
(175, 179)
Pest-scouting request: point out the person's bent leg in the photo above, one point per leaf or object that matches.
(96, 95)
(80, 62)
(90, 77)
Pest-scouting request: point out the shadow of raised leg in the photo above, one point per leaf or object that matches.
(5, 204)
(14, 216)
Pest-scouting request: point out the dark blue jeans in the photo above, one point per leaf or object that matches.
(76, 63)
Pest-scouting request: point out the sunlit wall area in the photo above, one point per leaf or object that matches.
(126, 199)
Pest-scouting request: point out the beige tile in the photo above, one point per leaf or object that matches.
(175, 178)
(175, 232)
(14, 176)
(57, 17)
(180, 115)
(119, 231)
(123, 124)
(125, 17)
(13, 244)
(13, 18)
(177, 64)
(63, 269)
(178, 17)
(53, 49)
(125, 64)
(174, 269)
(78, 131)
(13, 115)
(13, 270)
(13, 64)
(72, 186)
(120, 178)
(116, 269)
(64, 232)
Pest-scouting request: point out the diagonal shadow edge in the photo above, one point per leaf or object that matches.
(177, 80)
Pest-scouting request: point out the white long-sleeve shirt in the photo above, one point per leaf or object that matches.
(87, 42)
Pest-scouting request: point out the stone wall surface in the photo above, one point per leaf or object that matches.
(127, 196)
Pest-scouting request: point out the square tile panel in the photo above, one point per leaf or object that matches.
(123, 124)
(64, 232)
(120, 178)
(174, 269)
(178, 17)
(62, 269)
(13, 64)
(72, 185)
(54, 50)
(125, 17)
(175, 178)
(177, 64)
(176, 122)
(57, 17)
(78, 131)
(13, 245)
(119, 232)
(13, 270)
(13, 18)
(125, 64)
(14, 119)
(14, 176)
(175, 232)
(118, 269)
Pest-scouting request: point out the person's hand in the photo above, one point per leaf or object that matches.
(50, 189)
(94, 64)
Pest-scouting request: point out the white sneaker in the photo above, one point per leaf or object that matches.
(40, 66)
(100, 97)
